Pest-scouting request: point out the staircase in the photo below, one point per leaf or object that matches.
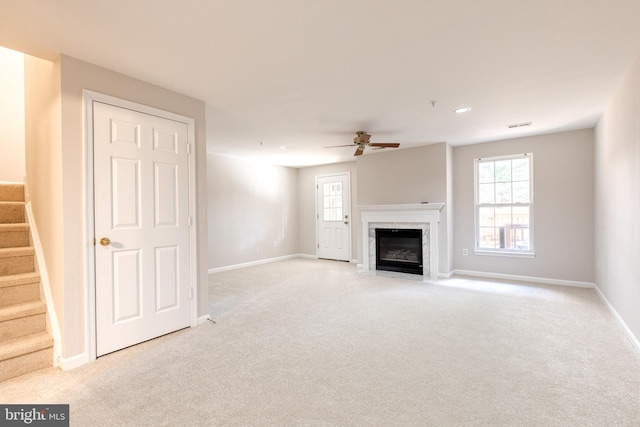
(25, 345)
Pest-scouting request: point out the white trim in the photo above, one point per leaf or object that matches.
(89, 97)
(532, 279)
(328, 175)
(52, 317)
(621, 321)
(445, 275)
(258, 262)
(508, 254)
(73, 362)
(203, 319)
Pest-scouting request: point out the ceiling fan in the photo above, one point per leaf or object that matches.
(362, 140)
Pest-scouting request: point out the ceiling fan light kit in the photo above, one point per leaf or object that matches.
(361, 141)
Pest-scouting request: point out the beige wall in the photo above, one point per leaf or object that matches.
(43, 149)
(12, 130)
(617, 201)
(411, 175)
(307, 205)
(66, 171)
(252, 211)
(563, 206)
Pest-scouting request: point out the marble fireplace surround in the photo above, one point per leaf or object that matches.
(423, 216)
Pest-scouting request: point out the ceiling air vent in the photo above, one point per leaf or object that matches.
(519, 125)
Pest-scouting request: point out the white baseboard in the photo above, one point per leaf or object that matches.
(532, 279)
(622, 323)
(259, 262)
(445, 275)
(68, 363)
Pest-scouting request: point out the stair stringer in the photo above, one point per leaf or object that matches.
(53, 326)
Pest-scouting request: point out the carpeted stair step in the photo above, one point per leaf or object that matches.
(26, 354)
(19, 288)
(11, 212)
(14, 235)
(11, 192)
(22, 319)
(16, 261)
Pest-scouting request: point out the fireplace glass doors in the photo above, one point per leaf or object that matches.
(399, 250)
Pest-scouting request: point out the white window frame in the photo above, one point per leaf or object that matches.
(523, 253)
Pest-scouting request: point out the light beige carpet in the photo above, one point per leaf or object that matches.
(310, 342)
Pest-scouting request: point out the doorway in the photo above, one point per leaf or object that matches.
(333, 216)
(141, 216)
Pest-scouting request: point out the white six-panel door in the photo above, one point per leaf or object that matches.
(333, 217)
(141, 191)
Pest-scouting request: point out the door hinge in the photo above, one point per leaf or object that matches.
(188, 148)
(189, 221)
(94, 241)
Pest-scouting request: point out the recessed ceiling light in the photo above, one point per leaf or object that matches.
(462, 110)
(283, 147)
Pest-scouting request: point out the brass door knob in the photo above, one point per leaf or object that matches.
(105, 241)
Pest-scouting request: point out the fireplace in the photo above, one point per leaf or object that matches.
(399, 250)
(422, 216)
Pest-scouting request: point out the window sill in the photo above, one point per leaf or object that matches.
(504, 253)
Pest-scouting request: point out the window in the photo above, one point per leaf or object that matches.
(504, 205)
(332, 201)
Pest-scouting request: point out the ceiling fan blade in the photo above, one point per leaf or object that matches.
(359, 150)
(346, 145)
(383, 145)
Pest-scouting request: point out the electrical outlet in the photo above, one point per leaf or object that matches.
(465, 252)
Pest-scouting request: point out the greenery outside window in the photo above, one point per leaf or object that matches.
(504, 205)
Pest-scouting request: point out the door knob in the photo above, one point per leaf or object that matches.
(105, 241)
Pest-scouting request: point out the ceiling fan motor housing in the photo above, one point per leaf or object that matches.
(361, 137)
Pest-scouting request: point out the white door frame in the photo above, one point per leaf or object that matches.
(89, 235)
(327, 175)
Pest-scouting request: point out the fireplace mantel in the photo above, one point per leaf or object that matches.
(403, 207)
(425, 216)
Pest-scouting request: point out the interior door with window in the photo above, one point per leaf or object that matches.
(141, 212)
(333, 217)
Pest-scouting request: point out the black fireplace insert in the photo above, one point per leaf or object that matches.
(399, 250)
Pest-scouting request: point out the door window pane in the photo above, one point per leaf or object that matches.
(332, 198)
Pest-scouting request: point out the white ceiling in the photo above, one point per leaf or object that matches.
(307, 74)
